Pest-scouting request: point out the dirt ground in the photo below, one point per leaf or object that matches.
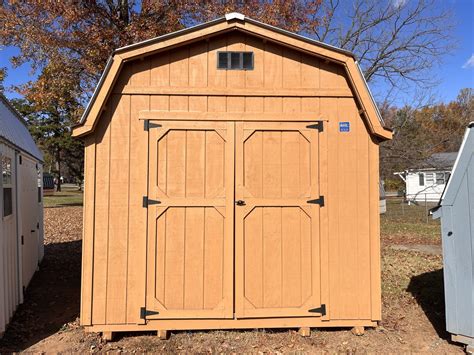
(413, 306)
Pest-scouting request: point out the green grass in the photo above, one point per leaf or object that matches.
(403, 220)
(69, 196)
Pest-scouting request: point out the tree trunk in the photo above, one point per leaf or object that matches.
(58, 161)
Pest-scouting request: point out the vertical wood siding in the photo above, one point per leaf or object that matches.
(116, 174)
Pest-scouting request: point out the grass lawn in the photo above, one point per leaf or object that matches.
(411, 224)
(69, 196)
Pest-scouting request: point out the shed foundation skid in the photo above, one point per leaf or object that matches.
(231, 181)
(210, 324)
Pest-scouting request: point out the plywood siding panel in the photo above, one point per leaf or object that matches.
(179, 103)
(291, 104)
(253, 104)
(198, 103)
(117, 260)
(179, 66)
(331, 75)
(291, 70)
(159, 103)
(254, 78)
(273, 104)
(217, 103)
(198, 63)
(88, 231)
(138, 182)
(141, 73)
(235, 104)
(216, 78)
(235, 78)
(160, 69)
(273, 66)
(363, 215)
(375, 278)
(329, 111)
(101, 219)
(309, 71)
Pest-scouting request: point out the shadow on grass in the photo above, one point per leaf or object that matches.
(51, 300)
(428, 291)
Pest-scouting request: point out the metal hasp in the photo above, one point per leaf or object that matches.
(317, 201)
(319, 126)
(144, 313)
(147, 125)
(147, 202)
(321, 310)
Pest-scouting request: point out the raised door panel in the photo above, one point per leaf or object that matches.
(190, 230)
(277, 230)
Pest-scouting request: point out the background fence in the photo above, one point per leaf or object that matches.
(398, 207)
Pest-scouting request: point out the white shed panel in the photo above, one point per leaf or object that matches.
(456, 210)
(21, 210)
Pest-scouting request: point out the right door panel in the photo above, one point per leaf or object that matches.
(277, 230)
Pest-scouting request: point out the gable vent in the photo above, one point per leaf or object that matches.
(235, 60)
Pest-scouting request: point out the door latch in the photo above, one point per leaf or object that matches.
(240, 203)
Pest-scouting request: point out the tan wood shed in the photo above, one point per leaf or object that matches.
(231, 181)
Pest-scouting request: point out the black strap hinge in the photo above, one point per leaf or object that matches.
(321, 310)
(318, 201)
(319, 126)
(147, 202)
(148, 125)
(144, 313)
(22, 240)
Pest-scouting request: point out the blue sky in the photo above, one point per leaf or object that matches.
(457, 71)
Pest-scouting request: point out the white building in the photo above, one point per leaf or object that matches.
(427, 183)
(21, 210)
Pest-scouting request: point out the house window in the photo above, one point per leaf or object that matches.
(7, 186)
(421, 178)
(235, 60)
(440, 180)
(429, 177)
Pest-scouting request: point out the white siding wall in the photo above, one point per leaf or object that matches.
(431, 191)
(13, 255)
(9, 266)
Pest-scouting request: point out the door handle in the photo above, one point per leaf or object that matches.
(240, 203)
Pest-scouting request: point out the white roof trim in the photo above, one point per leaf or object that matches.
(235, 15)
(460, 165)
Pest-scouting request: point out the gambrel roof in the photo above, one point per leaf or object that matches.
(232, 22)
(13, 130)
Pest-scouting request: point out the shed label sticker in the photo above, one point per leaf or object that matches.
(344, 126)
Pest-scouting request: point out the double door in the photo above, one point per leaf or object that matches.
(233, 220)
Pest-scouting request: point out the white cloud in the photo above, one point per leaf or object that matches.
(469, 63)
(399, 3)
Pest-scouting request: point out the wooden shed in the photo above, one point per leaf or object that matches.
(231, 181)
(455, 209)
(21, 208)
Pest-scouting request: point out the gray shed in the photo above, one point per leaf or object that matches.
(21, 210)
(456, 210)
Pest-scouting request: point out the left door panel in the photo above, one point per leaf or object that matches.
(190, 220)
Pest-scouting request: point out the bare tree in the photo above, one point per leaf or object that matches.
(396, 41)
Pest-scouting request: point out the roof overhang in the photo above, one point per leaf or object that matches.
(230, 22)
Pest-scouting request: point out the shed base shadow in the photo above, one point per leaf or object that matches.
(428, 291)
(52, 299)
